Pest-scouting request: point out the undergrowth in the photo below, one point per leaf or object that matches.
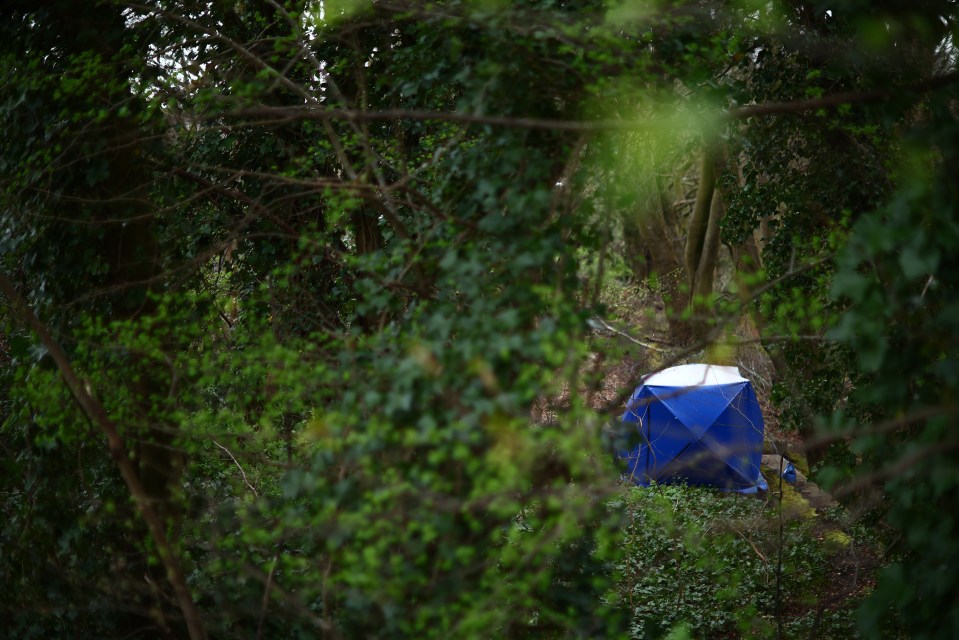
(703, 564)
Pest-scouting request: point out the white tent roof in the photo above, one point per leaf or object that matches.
(694, 375)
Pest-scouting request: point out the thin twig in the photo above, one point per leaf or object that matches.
(753, 545)
(779, 559)
(242, 473)
(900, 466)
(266, 592)
(608, 327)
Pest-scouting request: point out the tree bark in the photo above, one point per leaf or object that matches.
(702, 242)
(653, 248)
(706, 269)
(699, 222)
(121, 204)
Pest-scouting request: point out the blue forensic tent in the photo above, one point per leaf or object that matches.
(699, 424)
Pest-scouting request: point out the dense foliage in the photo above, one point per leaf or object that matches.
(669, 578)
(312, 268)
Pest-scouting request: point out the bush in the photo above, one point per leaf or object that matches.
(707, 561)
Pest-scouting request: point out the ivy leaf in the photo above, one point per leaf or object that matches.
(851, 284)
(916, 263)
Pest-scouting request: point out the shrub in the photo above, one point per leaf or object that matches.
(707, 561)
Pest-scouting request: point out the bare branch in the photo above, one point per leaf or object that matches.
(272, 115)
(238, 466)
(98, 415)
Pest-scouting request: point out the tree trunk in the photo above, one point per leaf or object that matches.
(654, 250)
(702, 283)
(702, 243)
(120, 203)
(699, 222)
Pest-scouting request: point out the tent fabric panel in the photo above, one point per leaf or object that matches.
(638, 415)
(699, 407)
(737, 436)
(662, 436)
(699, 465)
(667, 438)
